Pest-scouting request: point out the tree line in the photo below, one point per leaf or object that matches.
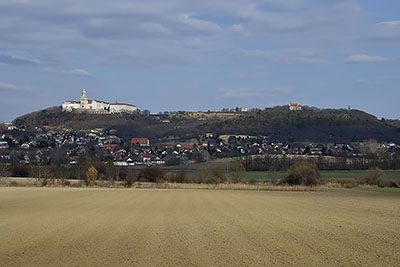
(283, 163)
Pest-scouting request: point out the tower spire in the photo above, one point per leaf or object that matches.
(84, 95)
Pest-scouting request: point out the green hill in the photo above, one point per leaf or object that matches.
(310, 124)
(277, 123)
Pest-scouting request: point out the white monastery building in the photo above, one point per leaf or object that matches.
(96, 106)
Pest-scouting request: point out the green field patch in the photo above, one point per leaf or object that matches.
(262, 176)
(379, 189)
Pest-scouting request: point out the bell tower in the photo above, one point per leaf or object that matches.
(84, 99)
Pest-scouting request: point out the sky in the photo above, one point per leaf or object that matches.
(200, 55)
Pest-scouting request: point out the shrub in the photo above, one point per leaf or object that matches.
(20, 171)
(347, 183)
(4, 170)
(44, 182)
(235, 179)
(130, 179)
(212, 180)
(218, 175)
(179, 177)
(237, 166)
(214, 175)
(152, 174)
(252, 181)
(303, 173)
(91, 175)
(376, 177)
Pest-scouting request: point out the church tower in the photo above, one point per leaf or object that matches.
(84, 99)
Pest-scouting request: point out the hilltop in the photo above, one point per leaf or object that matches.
(276, 123)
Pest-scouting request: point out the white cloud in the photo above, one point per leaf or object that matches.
(385, 31)
(295, 56)
(78, 72)
(74, 72)
(239, 28)
(393, 23)
(153, 27)
(199, 25)
(8, 87)
(15, 60)
(363, 58)
(363, 81)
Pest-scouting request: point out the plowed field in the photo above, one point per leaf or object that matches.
(118, 227)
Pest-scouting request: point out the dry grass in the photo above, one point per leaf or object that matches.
(32, 182)
(255, 187)
(124, 227)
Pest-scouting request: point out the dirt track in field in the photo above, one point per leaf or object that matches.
(118, 227)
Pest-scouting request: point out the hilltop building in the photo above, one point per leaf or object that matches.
(242, 109)
(96, 106)
(294, 107)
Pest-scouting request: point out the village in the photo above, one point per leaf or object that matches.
(55, 145)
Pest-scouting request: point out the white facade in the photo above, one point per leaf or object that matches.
(96, 106)
(122, 108)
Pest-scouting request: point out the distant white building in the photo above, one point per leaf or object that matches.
(96, 106)
(294, 107)
(242, 109)
(3, 144)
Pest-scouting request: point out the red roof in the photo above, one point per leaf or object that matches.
(110, 146)
(100, 101)
(140, 141)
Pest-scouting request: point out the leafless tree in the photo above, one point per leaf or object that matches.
(4, 170)
(372, 148)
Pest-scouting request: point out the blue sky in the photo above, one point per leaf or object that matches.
(200, 55)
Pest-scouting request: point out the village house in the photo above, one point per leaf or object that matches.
(140, 141)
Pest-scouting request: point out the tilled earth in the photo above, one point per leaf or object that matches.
(128, 227)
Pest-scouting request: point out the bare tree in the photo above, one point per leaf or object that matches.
(372, 148)
(4, 170)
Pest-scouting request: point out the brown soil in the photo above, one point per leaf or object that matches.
(131, 227)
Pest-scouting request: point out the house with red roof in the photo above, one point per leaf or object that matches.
(294, 107)
(140, 141)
